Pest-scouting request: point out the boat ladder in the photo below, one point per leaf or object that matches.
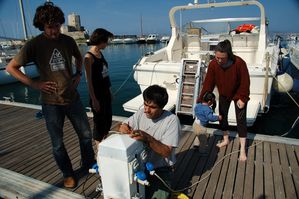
(191, 78)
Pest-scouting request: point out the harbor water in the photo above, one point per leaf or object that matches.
(121, 58)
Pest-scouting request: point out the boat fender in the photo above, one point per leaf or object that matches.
(283, 83)
(179, 195)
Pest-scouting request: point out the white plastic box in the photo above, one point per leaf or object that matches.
(119, 158)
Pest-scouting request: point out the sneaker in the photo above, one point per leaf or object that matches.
(69, 182)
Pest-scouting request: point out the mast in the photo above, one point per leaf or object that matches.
(23, 19)
(141, 28)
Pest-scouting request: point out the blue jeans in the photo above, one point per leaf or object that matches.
(54, 116)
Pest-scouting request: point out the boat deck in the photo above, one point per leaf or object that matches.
(271, 170)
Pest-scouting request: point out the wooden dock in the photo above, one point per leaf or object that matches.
(28, 170)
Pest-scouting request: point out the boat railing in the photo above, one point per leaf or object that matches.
(265, 93)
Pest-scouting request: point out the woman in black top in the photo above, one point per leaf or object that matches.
(96, 68)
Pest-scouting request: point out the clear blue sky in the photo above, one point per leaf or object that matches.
(123, 16)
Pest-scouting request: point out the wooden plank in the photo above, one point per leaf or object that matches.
(186, 168)
(32, 156)
(26, 145)
(18, 134)
(48, 160)
(41, 142)
(200, 190)
(184, 144)
(183, 159)
(296, 149)
(224, 169)
(13, 120)
(269, 186)
(294, 168)
(14, 185)
(8, 110)
(278, 181)
(88, 184)
(249, 177)
(287, 177)
(230, 178)
(239, 181)
(217, 168)
(258, 172)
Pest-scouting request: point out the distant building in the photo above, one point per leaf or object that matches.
(74, 28)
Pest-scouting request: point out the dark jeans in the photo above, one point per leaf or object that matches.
(102, 121)
(224, 105)
(54, 116)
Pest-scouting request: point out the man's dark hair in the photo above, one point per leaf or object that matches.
(47, 14)
(156, 94)
(99, 35)
(225, 47)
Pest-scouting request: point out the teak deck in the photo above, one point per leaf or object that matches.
(271, 170)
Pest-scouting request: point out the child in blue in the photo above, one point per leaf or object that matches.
(204, 114)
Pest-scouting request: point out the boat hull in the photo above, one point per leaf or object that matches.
(294, 55)
(6, 78)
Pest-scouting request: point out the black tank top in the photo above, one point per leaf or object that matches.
(100, 78)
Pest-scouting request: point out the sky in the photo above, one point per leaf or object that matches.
(124, 17)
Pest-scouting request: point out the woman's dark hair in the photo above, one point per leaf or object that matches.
(47, 14)
(156, 94)
(225, 47)
(99, 36)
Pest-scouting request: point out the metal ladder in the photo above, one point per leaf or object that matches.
(191, 78)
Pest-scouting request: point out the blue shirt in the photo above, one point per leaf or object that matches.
(205, 114)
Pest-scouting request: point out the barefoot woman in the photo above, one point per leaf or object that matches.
(229, 74)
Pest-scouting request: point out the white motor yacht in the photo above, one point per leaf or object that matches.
(152, 39)
(180, 67)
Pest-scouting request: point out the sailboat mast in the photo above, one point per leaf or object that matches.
(23, 19)
(141, 28)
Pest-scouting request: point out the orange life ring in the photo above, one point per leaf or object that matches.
(245, 28)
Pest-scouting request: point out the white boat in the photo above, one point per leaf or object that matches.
(294, 54)
(5, 78)
(124, 40)
(116, 41)
(30, 69)
(165, 39)
(181, 65)
(141, 40)
(130, 40)
(152, 39)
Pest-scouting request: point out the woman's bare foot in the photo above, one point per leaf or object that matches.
(222, 144)
(242, 156)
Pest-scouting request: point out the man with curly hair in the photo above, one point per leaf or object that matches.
(52, 53)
